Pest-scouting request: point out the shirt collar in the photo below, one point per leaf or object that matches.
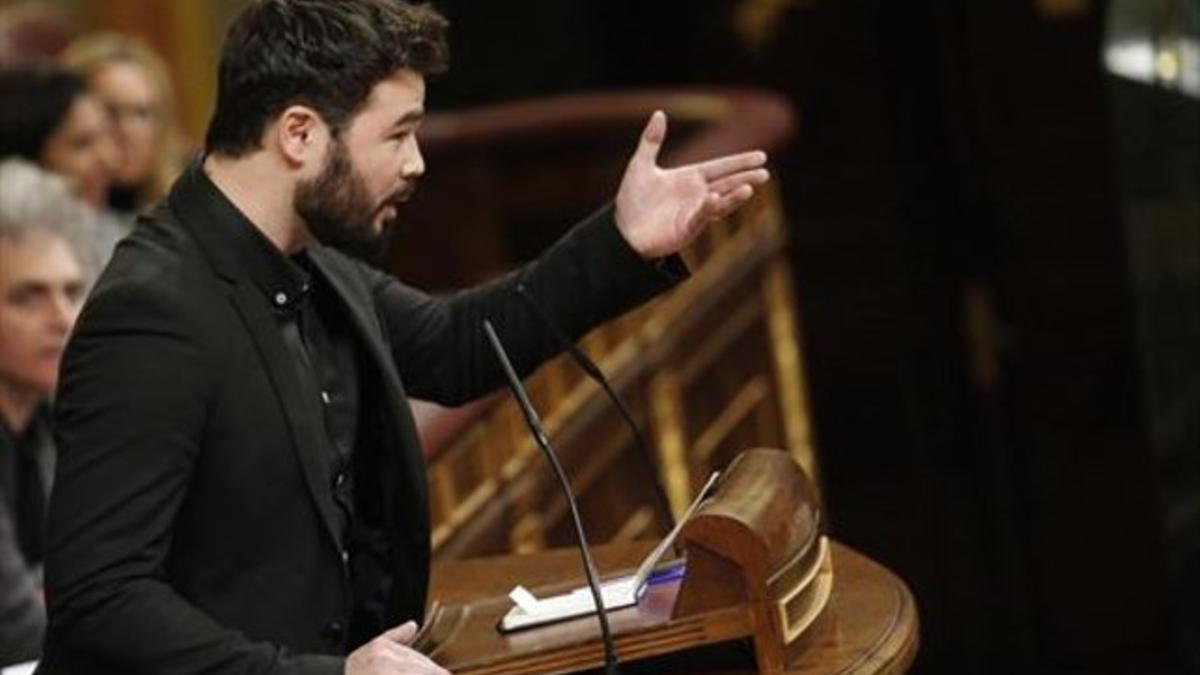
(282, 280)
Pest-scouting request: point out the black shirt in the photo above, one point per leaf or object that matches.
(26, 466)
(317, 332)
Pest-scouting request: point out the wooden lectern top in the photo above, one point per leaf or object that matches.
(869, 626)
(759, 572)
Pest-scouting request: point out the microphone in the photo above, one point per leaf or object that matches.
(539, 435)
(593, 371)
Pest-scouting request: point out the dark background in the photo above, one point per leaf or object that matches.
(997, 258)
(996, 246)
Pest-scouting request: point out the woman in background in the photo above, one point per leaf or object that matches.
(132, 82)
(47, 116)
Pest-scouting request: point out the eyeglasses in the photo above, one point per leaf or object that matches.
(139, 114)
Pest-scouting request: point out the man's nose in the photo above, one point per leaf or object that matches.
(414, 166)
(63, 312)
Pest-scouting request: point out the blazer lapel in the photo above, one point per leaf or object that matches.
(357, 299)
(204, 211)
(264, 330)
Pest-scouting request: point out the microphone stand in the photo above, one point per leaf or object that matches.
(611, 666)
(593, 371)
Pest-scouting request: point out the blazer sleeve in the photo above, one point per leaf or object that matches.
(134, 390)
(587, 277)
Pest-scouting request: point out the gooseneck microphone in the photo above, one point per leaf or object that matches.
(593, 371)
(539, 435)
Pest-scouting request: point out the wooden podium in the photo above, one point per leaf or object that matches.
(764, 591)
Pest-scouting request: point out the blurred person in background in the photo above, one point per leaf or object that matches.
(47, 116)
(132, 82)
(240, 485)
(42, 281)
(22, 605)
(33, 31)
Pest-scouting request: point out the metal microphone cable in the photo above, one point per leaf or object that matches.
(593, 371)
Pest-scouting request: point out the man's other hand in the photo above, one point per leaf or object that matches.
(389, 654)
(659, 211)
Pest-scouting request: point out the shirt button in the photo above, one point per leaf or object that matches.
(281, 299)
(345, 557)
(341, 478)
(325, 397)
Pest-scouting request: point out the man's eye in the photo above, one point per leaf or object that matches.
(74, 293)
(21, 298)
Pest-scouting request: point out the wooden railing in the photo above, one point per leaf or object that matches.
(709, 369)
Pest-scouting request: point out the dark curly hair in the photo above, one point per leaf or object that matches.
(327, 54)
(34, 100)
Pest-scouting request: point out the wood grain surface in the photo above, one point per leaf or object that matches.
(869, 626)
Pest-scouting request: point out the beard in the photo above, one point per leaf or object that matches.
(338, 210)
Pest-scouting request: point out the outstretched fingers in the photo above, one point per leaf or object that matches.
(734, 181)
(715, 169)
(717, 206)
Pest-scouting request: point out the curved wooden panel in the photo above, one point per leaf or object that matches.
(708, 369)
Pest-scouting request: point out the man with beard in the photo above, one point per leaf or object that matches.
(240, 486)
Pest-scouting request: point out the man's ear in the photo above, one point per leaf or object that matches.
(301, 134)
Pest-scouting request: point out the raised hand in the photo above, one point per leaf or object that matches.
(659, 211)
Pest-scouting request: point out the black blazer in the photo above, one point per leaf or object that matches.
(191, 528)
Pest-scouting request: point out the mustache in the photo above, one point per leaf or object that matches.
(397, 198)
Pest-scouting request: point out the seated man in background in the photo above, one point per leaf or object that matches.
(41, 286)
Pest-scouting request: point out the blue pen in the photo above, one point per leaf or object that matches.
(671, 573)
